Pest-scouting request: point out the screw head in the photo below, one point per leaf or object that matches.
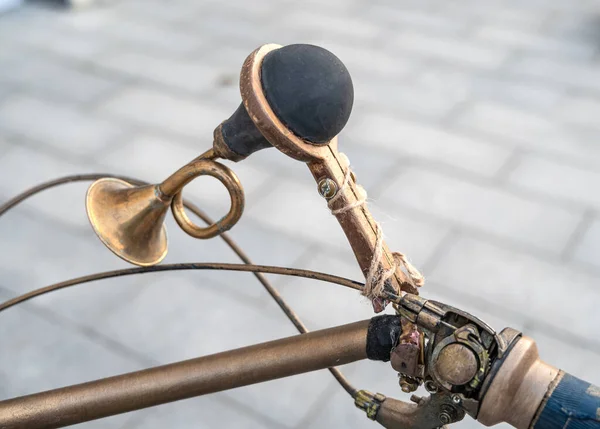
(327, 188)
(456, 399)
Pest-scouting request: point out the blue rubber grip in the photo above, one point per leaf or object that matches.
(574, 404)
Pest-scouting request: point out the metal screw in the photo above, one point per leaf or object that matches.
(456, 399)
(327, 188)
(445, 418)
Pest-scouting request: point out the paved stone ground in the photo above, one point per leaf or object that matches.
(475, 131)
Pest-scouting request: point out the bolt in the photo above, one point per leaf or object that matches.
(407, 387)
(408, 384)
(445, 418)
(327, 188)
(416, 399)
(430, 386)
(456, 399)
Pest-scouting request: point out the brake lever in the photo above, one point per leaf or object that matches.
(461, 356)
(298, 98)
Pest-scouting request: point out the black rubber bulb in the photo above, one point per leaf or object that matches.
(310, 91)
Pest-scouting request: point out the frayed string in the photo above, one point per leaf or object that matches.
(377, 276)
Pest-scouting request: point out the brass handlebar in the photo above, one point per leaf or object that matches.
(222, 371)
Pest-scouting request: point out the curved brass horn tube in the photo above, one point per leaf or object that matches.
(202, 167)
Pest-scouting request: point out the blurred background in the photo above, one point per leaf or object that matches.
(475, 131)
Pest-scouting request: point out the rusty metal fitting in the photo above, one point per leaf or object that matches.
(369, 402)
(409, 384)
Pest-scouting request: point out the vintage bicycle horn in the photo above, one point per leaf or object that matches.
(304, 87)
(130, 219)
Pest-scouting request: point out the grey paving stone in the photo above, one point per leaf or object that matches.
(528, 19)
(419, 139)
(451, 49)
(520, 283)
(580, 111)
(370, 165)
(28, 167)
(221, 25)
(189, 75)
(351, 28)
(338, 411)
(149, 37)
(322, 305)
(71, 43)
(534, 43)
(558, 180)
(406, 98)
(262, 244)
(203, 412)
(164, 111)
(156, 12)
(483, 208)
(418, 19)
(296, 209)
(587, 250)
(293, 397)
(527, 129)
(51, 30)
(173, 319)
(63, 80)
(154, 158)
(4, 146)
(574, 360)
(449, 79)
(569, 73)
(574, 27)
(58, 255)
(359, 60)
(59, 125)
(42, 355)
(6, 90)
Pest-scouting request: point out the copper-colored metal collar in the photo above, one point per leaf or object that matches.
(266, 120)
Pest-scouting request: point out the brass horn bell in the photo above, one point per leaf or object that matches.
(130, 219)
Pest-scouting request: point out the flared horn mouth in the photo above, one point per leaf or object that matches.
(129, 219)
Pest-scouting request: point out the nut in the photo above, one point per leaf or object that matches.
(409, 384)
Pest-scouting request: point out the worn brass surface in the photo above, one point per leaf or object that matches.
(324, 161)
(236, 196)
(518, 388)
(456, 364)
(129, 220)
(228, 370)
(426, 413)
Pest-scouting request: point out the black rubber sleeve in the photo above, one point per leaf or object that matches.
(382, 336)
